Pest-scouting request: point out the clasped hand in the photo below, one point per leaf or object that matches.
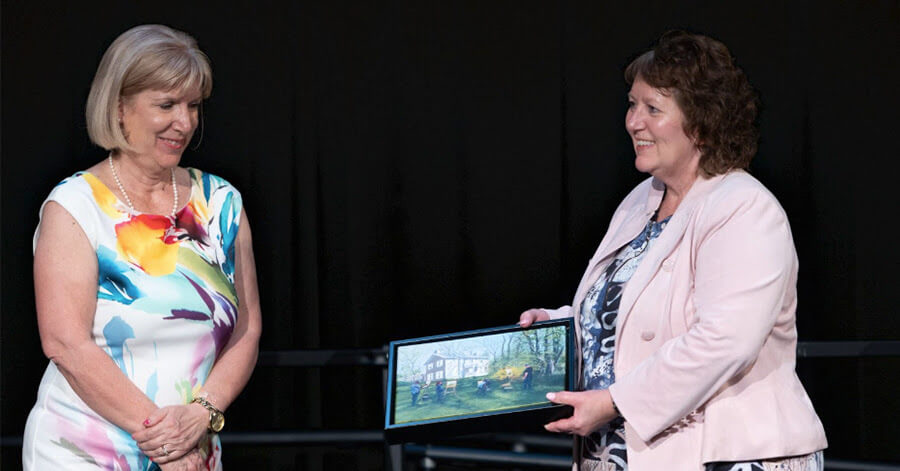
(172, 432)
(192, 461)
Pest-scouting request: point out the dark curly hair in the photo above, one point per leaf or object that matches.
(719, 105)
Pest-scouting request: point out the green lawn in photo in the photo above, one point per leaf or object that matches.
(467, 401)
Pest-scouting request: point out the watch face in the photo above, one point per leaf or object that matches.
(216, 422)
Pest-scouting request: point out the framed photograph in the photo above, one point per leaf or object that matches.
(478, 381)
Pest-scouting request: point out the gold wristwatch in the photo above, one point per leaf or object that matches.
(216, 417)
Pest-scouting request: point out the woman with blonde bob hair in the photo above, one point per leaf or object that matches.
(145, 282)
(146, 57)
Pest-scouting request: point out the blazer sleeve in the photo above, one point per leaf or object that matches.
(744, 263)
(559, 313)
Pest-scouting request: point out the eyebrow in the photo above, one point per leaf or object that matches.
(177, 98)
(165, 97)
(653, 99)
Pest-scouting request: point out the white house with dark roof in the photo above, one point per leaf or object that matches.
(439, 366)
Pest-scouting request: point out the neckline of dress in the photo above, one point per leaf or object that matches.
(135, 212)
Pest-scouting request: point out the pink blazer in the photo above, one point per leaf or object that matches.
(706, 335)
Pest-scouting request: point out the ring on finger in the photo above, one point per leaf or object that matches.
(165, 450)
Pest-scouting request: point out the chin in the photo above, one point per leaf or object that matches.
(169, 161)
(642, 166)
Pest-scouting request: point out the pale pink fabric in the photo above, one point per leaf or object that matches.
(707, 340)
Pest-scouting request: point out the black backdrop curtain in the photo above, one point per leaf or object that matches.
(415, 168)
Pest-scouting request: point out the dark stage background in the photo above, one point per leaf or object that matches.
(415, 168)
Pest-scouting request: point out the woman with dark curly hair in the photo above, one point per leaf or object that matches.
(686, 313)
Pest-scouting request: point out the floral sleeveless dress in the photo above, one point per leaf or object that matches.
(166, 307)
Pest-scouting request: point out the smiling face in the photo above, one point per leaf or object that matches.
(656, 125)
(159, 124)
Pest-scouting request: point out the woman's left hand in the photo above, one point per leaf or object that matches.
(191, 461)
(179, 428)
(591, 410)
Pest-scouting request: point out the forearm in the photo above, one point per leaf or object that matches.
(558, 313)
(100, 383)
(232, 370)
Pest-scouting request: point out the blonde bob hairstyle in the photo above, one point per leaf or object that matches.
(146, 57)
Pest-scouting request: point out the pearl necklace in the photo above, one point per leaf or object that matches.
(125, 194)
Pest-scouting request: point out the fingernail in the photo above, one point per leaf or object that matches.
(551, 396)
(147, 422)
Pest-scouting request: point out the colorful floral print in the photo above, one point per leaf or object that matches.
(166, 307)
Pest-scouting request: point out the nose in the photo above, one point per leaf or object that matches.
(185, 118)
(634, 120)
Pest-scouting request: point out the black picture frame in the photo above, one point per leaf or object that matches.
(482, 399)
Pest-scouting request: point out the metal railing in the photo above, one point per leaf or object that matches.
(519, 457)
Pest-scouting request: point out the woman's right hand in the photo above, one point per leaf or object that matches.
(189, 462)
(178, 428)
(531, 316)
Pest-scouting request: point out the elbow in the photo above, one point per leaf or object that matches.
(745, 353)
(252, 338)
(742, 352)
(253, 334)
(734, 349)
(52, 350)
(57, 351)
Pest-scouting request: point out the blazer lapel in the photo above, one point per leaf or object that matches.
(617, 236)
(667, 242)
(662, 248)
(631, 227)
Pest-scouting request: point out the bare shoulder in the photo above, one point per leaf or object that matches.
(60, 234)
(99, 168)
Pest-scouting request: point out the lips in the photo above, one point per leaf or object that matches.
(175, 144)
(642, 144)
